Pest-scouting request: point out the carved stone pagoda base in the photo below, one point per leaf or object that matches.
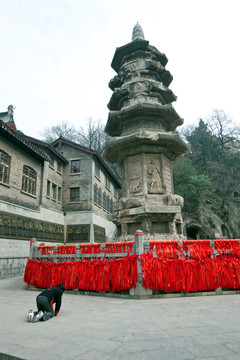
(156, 222)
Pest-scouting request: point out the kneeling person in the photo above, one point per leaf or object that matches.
(45, 301)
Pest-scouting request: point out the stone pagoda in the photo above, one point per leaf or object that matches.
(142, 122)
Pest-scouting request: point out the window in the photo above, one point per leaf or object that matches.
(107, 182)
(59, 194)
(97, 171)
(5, 160)
(54, 191)
(75, 194)
(59, 167)
(97, 195)
(102, 199)
(105, 201)
(75, 166)
(111, 206)
(48, 188)
(29, 180)
(108, 204)
(51, 161)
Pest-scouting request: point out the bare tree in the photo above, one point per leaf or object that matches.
(93, 136)
(65, 130)
(222, 126)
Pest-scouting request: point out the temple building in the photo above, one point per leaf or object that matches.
(142, 122)
(59, 193)
(63, 185)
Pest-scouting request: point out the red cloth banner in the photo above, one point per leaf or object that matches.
(65, 249)
(118, 247)
(46, 249)
(89, 248)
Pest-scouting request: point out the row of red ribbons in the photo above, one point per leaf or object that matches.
(192, 265)
(190, 275)
(168, 266)
(96, 275)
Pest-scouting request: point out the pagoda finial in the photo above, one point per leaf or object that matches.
(137, 32)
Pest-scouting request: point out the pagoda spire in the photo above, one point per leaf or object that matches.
(137, 32)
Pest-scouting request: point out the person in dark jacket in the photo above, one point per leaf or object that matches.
(45, 301)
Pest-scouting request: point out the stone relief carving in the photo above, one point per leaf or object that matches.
(174, 200)
(135, 177)
(154, 179)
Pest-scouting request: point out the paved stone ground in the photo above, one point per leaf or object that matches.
(97, 328)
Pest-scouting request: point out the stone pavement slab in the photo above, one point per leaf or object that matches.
(97, 328)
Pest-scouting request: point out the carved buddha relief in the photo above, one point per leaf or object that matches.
(135, 175)
(154, 177)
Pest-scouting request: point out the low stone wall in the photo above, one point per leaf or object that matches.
(10, 267)
(13, 257)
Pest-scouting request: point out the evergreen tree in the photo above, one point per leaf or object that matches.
(188, 183)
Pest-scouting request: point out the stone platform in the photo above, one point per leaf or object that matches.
(96, 328)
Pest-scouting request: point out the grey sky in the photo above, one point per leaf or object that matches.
(55, 59)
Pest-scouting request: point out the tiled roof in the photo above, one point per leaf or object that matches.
(19, 139)
(45, 145)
